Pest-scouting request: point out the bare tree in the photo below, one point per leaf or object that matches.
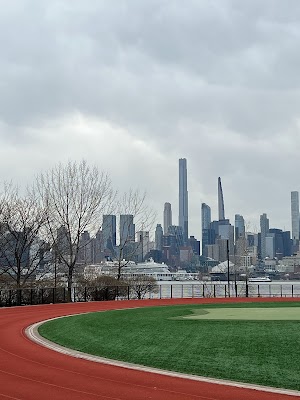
(75, 196)
(103, 287)
(135, 215)
(140, 285)
(21, 221)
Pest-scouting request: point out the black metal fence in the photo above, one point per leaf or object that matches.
(31, 296)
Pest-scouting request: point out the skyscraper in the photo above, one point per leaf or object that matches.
(183, 199)
(195, 245)
(264, 229)
(220, 201)
(295, 215)
(207, 232)
(167, 217)
(109, 231)
(239, 224)
(226, 232)
(127, 229)
(283, 243)
(143, 244)
(85, 254)
(177, 232)
(205, 216)
(63, 240)
(158, 237)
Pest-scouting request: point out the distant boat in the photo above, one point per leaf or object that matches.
(260, 279)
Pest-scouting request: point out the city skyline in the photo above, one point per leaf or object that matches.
(238, 221)
(136, 102)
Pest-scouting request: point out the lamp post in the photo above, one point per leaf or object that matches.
(228, 277)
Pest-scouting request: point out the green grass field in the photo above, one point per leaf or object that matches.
(248, 342)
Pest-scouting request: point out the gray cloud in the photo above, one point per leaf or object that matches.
(216, 82)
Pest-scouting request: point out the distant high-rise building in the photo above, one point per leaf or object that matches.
(183, 199)
(158, 237)
(205, 216)
(277, 234)
(195, 245)
(295, 215)
(177, 232)
(98, 247)
(270, 245)
(287, 244)
(213, 251)
(239, 224)
(282, 243)
(63, 241)
(223, 249)
(208, 238)
(167, 217)
(220, 201)
(250, 239)
(226, 232)
(127, 229)
(85, 249)
(109, 231)
(143, 244)
(240, 247)
(264, 230)
(214, 225)
(207, 235)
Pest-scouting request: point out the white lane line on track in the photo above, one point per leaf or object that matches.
(155, 389)
(32, 333)
(9, 397)
(60, 387)
(201, 397)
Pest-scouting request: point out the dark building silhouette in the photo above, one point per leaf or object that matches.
(158, 237)
(127, 229)
(208, 237)
(195, 245)
(167, 217)
(282, 242)
(109, 231)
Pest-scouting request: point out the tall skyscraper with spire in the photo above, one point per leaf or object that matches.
(220, 201)
(183, 199)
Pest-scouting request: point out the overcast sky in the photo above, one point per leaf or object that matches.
(133, 86)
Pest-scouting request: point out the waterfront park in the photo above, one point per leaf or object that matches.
(257, 343)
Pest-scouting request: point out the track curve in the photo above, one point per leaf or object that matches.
(31, 372)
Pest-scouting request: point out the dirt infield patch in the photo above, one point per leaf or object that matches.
(246, 314)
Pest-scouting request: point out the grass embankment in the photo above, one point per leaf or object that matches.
(253, 351)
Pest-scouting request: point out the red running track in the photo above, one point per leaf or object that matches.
(30, 371)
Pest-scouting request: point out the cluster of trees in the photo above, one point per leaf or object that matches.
(69, 198)
(101, 288)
